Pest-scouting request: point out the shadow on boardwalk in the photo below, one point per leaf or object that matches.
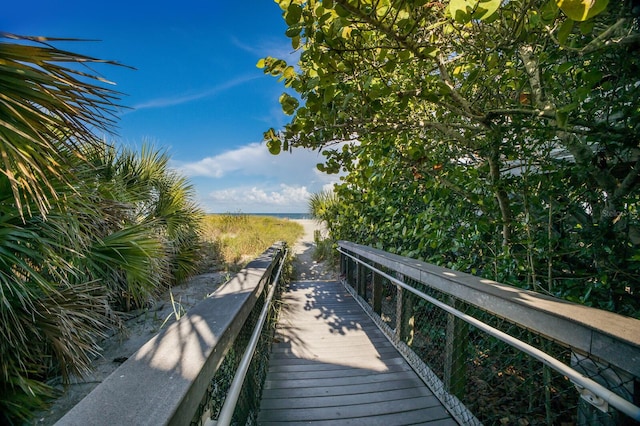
(331, 365)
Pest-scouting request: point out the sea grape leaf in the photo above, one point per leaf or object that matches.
(581, 10)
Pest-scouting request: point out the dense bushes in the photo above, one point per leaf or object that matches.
(86, 230)
(499, 138)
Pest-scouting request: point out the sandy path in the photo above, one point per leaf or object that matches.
(305, 267)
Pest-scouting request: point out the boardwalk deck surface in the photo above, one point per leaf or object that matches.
(331, 365)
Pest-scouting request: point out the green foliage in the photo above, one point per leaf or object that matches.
(86, 231)
(579, 10)
(496, 138)
(323, 206)
(325, 250)
(464, 11)
(47, 108)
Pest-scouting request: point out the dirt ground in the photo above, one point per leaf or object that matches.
(144, 324)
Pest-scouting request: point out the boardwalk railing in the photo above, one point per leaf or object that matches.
(496, 354)
(183, 375)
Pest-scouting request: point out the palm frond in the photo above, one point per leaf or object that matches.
(47, 110)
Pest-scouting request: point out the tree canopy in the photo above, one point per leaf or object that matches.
(495, 137)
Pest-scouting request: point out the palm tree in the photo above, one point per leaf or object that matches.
(51, 314)
(171, 203)
(322, 207)
(86, 230)
(155, 213)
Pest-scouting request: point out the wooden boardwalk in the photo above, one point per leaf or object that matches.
(331, 365)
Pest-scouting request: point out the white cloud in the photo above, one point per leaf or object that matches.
(251, 180)
(255, 160)
(285, 195)
(328, 187)
(281, 199)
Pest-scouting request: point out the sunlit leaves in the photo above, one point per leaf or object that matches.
(581, 10)
(464, 11)
(293, 14)
(277, 68)
(274, 144)
(289, 103)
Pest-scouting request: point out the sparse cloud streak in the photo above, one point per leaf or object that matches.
(186, 98)
(275, 48)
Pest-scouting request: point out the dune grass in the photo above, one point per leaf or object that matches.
(231, 240)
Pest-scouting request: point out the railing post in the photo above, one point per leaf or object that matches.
(353, 273)
(347, 269)
(361, 283)
(455, 354)
(376, 297)
(404, 314)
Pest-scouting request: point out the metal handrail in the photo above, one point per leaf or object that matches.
(580, 380)
(226, 413)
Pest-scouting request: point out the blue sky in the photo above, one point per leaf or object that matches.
(196, 91)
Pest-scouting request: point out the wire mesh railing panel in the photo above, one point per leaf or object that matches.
(247, 406)
(220, 383)
(483, 378)
(246, 412)
(426, 334)
(383, 299)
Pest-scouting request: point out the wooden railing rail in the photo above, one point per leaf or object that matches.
(593, 338)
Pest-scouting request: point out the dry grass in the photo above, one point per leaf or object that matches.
(231, 240)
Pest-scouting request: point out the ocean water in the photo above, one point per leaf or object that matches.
(283, 215)
(278, 215)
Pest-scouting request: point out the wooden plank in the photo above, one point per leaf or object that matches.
(353, 349)
(330, 364)
(324, 374)
(397, 408)
(344, 351)
(338, 381)
(311, 324)
(333, 401)
(417, 417)
(323, 366)
(316, 339)
(382, 357)
(341, 390)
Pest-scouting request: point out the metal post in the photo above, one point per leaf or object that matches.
(361, 285)
(376, 301)
(404, 314)
(455, 354)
